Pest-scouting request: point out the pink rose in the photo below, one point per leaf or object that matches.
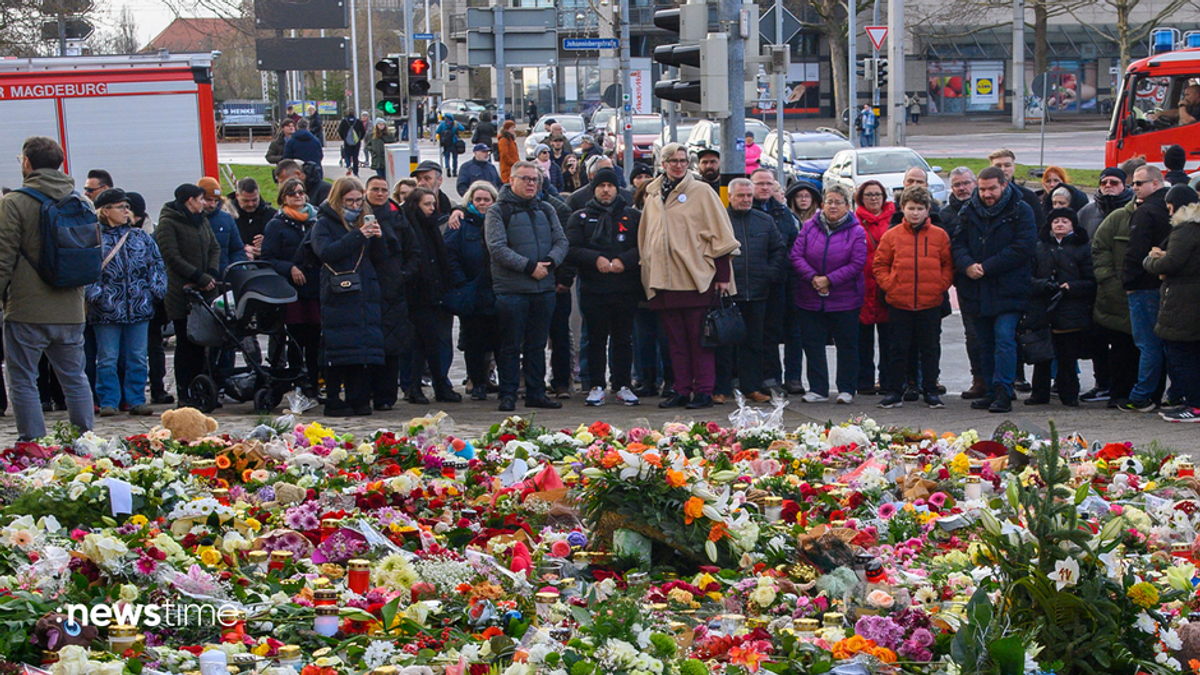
(560, 549)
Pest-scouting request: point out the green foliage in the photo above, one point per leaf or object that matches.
(19, 613)
(664, 644)
(692, 667)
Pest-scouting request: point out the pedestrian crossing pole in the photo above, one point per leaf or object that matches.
(734, 20)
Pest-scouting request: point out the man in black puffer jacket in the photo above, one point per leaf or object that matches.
(603, 247)
(756, 269)
(395, 272)
(780, 297)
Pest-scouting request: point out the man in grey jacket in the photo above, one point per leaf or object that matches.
(526, 243)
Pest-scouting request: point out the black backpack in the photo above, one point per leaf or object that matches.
(71, 248)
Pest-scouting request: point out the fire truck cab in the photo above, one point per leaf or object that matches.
(1147, 119)
(145, 118)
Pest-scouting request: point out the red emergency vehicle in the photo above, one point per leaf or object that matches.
(145, 118)
(1152, 85)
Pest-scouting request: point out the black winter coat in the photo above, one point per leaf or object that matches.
(395, 272)
(431, 279)
(763, 259)
(948, 216)
(1178, 320)
(1035, 204)
(351, 323)
(1078, 199)
(251, 223)
(282, 247)
(469, 260)
(611, 232)
(1066, 262)
(1150, 227)
(1003, 238)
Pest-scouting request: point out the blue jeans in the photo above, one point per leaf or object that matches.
(449, 159)
(997, 337)
(652, 364)
(843, 326)
(121, 342)
(1143, 314)
(524, 320)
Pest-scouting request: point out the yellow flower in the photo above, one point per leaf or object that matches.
(253, 523)
(315, 433)
(1143, 594)
(210, 557)
(261, 650)
(961, 464)
(139, 520)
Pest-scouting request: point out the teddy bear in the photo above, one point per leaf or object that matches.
(188, 424)
(54, 631)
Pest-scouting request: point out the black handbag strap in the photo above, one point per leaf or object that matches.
(356, 264)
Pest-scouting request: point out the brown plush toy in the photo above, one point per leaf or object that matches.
(188, 424)
(53, 632)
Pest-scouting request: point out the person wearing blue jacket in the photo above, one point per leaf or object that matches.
(121, 304)
(479, 167)
(303, 146)
(470, 271)
(447, 138)
(229, 239)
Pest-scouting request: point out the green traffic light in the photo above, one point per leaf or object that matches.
(388, 107)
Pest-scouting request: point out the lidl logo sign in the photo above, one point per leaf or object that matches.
(983, 86)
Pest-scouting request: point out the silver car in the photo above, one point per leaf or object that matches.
(886, 165)
(573, 127)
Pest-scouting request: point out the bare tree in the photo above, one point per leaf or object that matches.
(832, 23)
(1125, 34)
(21, 29)
(120, 39)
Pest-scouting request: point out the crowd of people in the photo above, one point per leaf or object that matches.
(382, 271)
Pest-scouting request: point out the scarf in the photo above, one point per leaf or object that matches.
(668, 185)
(1110, 203)
(830, 228)
(298, 216)
(544, 166)
(605, 235)
(196, 219)
(994, 210)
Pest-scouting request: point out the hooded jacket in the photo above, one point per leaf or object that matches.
(521, 233)
(228, 238)
(1150, 227)
(281, 247)
(430, 278)
(1066, 262)
(250, 224)
(1098, 209)
(275, 149)
(839, 254)
(1003, 239)
(351, 323)
(468, 258)
(681, 238)
(189, 250)
(509, 154)
(26, 298)
(913, 266)
(303, 147)
(875, 226)
(377, 149)
(473, 170)
(1108, 253)
(131, 281)
(1178, 318)
(395, 272)
(609, 231)
(344, 128)
(1079, 199)
(762, 259)
(949, 214)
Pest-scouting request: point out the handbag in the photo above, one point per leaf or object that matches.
(460, 146)
(723, 324)
(1036, 346)
(346, 282)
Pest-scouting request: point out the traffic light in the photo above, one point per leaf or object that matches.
(881, 74)
(864, 68)
(418, 75)
(701, 57)
(388, 85)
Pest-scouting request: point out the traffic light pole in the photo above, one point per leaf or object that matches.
(896, 117)
(414, 158)
(627, 128)
(501, 69)
(733, 128)
(852, 70)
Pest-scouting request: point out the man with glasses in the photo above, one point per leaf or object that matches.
(778, 302)
(962, 186)
(526, 243)
(98, 180)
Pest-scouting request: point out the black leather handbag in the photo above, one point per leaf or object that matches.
(723, 325)
(346, 282)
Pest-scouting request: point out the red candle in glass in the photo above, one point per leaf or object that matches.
(359, 578)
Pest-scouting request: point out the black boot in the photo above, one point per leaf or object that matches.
(1001, 402)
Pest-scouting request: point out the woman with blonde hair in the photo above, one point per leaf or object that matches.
(348, 242)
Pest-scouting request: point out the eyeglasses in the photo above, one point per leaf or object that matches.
(872, 195)
(1139, 183)
(1112, 181)
(676, 162)
(352, 202)
(118, 207)
(296, 193)
(526, 179)
(962, 184)
(834, 202)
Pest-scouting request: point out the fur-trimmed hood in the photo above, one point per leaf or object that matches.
(1185, 215)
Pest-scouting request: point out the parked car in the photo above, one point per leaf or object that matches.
(600, 118)
(707, 134)
(886, 165)
(573, 127)
(646, 128)
(465, 113)
(682, 130)
(807, 156)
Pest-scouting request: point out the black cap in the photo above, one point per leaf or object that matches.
(1115, 173)
(606, 175)
(640, 169)
(109, 197)
(1069, 214)
(188, 191)
(1174, 158)
(708, 151)
(428, 165)
(137, 204)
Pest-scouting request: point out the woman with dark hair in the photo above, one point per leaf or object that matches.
(572, 174)
(804, 198)
(1178, 323)
(426, 294)
(507, 149)
(348, 241)
(282, 248)
(874, 213)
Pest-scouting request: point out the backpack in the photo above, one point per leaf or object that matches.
(352, 137)
(71, 247)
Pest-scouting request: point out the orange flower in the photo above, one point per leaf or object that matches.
(653, 459)
(492, 632)
(884, 654)
(676, 478)
(693, 509)
(718, 532)
(246, 475)
(611, 459)
(223, 462)
(637, 448)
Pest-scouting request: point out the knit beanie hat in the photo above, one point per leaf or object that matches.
(1115, 172)
(1180, 196)
(1175, 158)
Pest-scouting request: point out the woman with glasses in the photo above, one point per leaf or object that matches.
(829, 255)
(121, 304)
(685, 240)
(551, 171)
(874, 213)
(281, 248)
(348, 242)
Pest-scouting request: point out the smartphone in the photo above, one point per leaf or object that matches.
(369, 218)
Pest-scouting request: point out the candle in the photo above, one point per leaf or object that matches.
(829, 476)
(544, 602)
(773, 509)
(49, 657)
(121, 637)
(972, 488)
(214, 662)
(806, 629)
(328, 527)
(384, 670)
(359, 579)
(1186, 469)
(279, 559)
(326, 621)
(259, 560)
(1182, 550)
(732, 623)
(208, 469)
(221, 495)
(912, 462)
(324, 597)
(875, 573)
(289, 657)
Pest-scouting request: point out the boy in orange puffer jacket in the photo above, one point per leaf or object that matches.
(914, 268)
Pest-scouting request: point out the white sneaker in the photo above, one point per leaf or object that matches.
(595, 397)
(627, 397)
(845, 398)
(814, 397)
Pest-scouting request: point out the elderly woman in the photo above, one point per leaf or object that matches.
(829, 255)
(121, 304)
(685, 240)
(348, 241)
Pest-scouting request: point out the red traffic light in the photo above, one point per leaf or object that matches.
(418, 66)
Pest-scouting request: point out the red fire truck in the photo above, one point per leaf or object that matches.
(1152, 85)
(145, 118)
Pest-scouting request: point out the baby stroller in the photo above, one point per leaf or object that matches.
(253, 304)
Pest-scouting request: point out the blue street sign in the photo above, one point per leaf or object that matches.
(422, 36)
(628, 108)
(585, 44)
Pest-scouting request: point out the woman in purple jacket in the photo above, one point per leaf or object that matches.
(828, 256)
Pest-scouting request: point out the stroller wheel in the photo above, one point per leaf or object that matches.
(264, 401)
(203, 392)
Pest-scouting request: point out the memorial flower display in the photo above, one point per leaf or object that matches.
(690, 549)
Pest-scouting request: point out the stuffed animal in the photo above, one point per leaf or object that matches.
(188, 424)
(53, 632)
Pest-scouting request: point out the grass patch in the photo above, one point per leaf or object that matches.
(1080, 178)
(262, 174)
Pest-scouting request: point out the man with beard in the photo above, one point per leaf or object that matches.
(708, 165)
(223, 224)
(603, 246)
(962, 186)
(251, 213)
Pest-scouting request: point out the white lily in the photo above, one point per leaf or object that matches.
(1066, 573)
(636, 466)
